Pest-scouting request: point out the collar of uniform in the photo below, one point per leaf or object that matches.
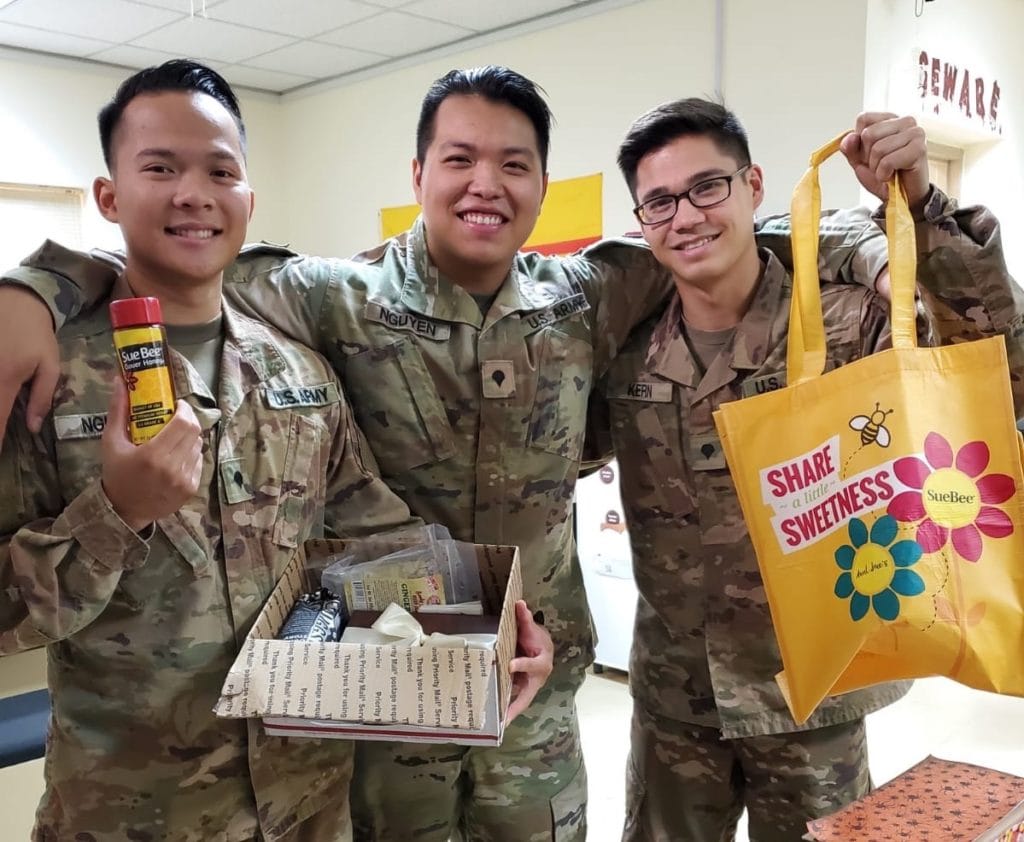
(535, 282)
(250, 341)
(253, 339)
(751, 342)
(255, 343)
(668, 355)
(188, 384)
(429, 293)
(249, 358)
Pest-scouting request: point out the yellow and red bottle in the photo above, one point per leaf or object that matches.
(141, 345)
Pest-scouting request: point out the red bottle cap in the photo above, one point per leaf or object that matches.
(135, 311)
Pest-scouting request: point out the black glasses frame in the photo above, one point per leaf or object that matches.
(638, 211)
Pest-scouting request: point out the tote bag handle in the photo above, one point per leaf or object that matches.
(805, 351)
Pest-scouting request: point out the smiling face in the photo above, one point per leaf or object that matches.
(703, 247)
(481, 184)
(178, 190)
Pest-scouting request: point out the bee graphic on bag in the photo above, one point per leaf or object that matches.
(872, 430)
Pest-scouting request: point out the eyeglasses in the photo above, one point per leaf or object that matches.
(703, 194)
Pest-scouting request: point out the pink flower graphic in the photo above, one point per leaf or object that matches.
(951, 501)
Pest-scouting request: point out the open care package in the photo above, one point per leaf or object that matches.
(403, 636)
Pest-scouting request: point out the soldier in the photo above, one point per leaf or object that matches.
(469, 366)
(143, 568)
(711, 733)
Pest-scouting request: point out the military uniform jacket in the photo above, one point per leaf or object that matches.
(141, 633)
(704, 651)
(476, 421)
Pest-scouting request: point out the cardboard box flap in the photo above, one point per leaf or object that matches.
(507, 632)
(244, 691)
(434, 686)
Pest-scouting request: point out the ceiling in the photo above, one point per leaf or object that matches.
(271, 45)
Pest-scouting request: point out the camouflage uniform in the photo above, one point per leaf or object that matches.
(141, 632)
(477, 422)
(704, 656)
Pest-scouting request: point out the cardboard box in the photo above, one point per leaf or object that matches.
(364, 692)
(936, 799)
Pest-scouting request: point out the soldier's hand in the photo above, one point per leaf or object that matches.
(530, 670)
(29, 352)
(883, 284)
(147, 482)
(883, 143)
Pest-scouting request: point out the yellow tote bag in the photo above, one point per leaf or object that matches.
(884, 498)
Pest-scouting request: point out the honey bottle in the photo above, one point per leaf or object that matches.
(141, 345)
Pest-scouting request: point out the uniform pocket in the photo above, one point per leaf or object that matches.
(78, 460)
(564, 379)
(655, 448)
(177, 558)
(397, 407)
(301, 483)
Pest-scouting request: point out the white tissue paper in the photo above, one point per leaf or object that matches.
(397, 627)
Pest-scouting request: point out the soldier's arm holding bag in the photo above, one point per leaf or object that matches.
(851, 246)
(963, 281)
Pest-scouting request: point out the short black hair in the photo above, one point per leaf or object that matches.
(681, 118)
(496, 84)
(178, 74)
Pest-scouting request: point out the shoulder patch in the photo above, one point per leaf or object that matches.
(291, 397)
(376, 254)
(87, 425)
(630, 240)
(97, 267)
(410, 322)
(264, 248)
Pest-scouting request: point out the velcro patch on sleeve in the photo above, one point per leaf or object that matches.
(556, 312)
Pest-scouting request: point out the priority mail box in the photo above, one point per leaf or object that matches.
(433, 694)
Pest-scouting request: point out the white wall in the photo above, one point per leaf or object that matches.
(323, 162)
(48, 110)
(794, 74)
(983, 36)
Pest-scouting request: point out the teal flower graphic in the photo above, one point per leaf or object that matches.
(875, 569)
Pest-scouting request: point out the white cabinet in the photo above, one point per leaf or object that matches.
(603, 544)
